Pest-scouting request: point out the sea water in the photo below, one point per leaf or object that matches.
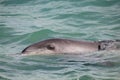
(23, 22)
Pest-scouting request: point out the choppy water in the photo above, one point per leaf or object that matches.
(23, 22)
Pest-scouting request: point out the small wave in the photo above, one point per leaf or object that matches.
(4, 78)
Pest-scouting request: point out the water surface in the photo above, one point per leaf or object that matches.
(23, 22)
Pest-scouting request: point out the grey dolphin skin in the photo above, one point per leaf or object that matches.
(66, 46)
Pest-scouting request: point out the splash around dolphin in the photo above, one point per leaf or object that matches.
(66, 46)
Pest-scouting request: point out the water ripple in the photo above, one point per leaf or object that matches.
(23, 22)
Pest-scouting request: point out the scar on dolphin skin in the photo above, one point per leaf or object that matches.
(67, 46)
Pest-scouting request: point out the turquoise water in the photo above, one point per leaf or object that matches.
(23, 22)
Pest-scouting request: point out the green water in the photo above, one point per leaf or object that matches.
(23, 22)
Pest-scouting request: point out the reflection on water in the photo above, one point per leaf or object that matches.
(88, 66)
